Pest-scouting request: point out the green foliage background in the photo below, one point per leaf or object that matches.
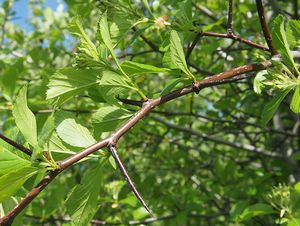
(202, 159)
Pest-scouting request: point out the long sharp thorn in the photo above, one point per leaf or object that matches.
(127, 178)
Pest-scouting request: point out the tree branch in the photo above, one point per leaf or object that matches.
(127, 177)
(237, 38)
(16, 145)
(264, 26)
(229, 19)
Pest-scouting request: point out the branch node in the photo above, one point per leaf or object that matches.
(196, 88)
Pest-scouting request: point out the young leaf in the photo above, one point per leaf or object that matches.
(10, 162)
(281, 43)
(87, 47)
(103, 29)
(24, 117)
(257, 83)
(133, 68)
(293, 33)
(295, 103)
(74, 134)
(13, 181)
(82, 204)
(258, 209)
(271, 107)
(68, 82)
(108, 117)
(177, 54)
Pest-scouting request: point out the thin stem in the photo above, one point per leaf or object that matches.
(16, 145)
(237, 38)
(191, 48)
(229, 19)
(127, 177)
(296, 8)
(264, 26)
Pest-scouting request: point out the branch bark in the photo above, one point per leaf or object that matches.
(264, 26)
(123, 170)
(16, 145)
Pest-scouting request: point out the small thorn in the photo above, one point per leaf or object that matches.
(127, 178)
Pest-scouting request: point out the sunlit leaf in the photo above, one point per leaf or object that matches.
(74, 134)
(24, 117)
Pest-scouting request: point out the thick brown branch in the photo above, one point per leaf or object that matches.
(16, 145)
(127, 177)
(264, 26)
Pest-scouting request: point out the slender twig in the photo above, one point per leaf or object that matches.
(147, 41)
(296, 9)
(237, 38)
(205, 11)
(194, 43)
(217, 79)
(16, 145)
(127, 177)
(264, 26)
(229, 19)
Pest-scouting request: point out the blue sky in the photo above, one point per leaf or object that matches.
(22, 11)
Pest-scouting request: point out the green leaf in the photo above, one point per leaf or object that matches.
(113, 79)
(171, 85)
(9, 78)
(293, 33)
(258, 81)
(271, 107)
(24, 117)
(74, 134)
(146, 4)
(107, 118)
(237, 209)
(134, 68)
(103, 29)
(295, 103)
(281, 43)
(10, 162)
(11, 182)
(87, 47)
(177, 54)
(82, 203)
(258, 209)
(68, 82)
(294, 222)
